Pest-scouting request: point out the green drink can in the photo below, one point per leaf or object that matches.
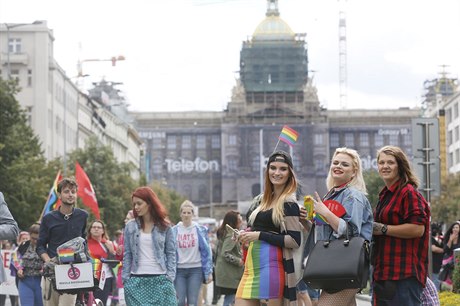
(309, 205)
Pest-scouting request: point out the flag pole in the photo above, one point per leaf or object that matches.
(276, 146)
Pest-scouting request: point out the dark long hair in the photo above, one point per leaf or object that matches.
(230, 218)
(156, 208)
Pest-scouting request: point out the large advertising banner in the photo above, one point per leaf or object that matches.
(8, 287)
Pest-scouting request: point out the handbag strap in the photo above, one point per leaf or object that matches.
(347, 236)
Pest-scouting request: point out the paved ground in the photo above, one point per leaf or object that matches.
(361, 300)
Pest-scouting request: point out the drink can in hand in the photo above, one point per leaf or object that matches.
(309, 206)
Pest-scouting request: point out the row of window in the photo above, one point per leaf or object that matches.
(453, 135)
(452, 113)
(363, 139)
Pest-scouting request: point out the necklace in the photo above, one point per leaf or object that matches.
(67, 216)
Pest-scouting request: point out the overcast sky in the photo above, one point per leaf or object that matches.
(184, 54)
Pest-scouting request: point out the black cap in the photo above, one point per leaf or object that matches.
(280, 156)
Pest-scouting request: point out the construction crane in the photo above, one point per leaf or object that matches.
(342, 54)
(113, 59)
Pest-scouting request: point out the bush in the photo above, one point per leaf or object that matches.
(456, 276)
(447, 298)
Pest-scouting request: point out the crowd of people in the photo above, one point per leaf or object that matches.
(251, 259)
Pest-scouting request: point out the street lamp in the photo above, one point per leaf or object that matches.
(8, 27)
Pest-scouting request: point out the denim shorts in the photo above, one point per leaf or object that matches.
(302, 288)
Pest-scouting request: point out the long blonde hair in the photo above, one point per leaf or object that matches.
(288, 193)
(358, 180)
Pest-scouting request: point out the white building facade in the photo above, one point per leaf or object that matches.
(60, 114)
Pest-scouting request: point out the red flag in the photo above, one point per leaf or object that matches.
(86, 191)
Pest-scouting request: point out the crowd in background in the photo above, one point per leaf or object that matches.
(248, 259)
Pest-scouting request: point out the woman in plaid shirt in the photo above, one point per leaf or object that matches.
(401, 233)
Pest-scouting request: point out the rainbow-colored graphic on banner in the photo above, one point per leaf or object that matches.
(288, 135)
(66, 255)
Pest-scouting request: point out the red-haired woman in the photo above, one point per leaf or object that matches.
(100, 246)
(149, 262)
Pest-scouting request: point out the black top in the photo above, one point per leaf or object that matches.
(55, 230)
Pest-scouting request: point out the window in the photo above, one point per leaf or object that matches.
(378, 140)
(14, 45)
(201, 142)
(394, 139)
(319, 139)
(232, 164)
(450, 160)
(157, 167)
(449, 115)
(29, 115)
(456, 133)
(186, 142)
(407, 139)
(364, 139)
(156, 142)
(29, 78)
(232, 140)
(349, 140)
(335, 140)
(455, 107)
(457, 156)
(171, 144)
(319, 163)
(449, 138)
(215, 141)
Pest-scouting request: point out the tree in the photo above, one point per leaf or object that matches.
(374, 185)
(112, 181)
(446, 207)
(24, 173)
(170, 199)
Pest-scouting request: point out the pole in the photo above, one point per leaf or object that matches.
(210, 193)
(261, 157)
(65, 126)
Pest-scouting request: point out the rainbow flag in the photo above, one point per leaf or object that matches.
(66, 255)
(53, 202)
(318, 219)
(288, 135)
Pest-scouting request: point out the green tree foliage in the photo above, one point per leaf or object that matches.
(374, 185)
(170, 199)
(446, 207)
(112, 181)
(24, 173)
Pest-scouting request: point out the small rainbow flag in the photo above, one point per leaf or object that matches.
(53, 201)
(319, 219)
(66, 255)
(288, 135)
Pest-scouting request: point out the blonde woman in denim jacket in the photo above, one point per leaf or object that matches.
(149, 259)
(194, 256)
(346, 185)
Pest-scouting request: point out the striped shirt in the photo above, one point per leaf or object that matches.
(398, 258)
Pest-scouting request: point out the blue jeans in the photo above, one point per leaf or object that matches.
(30, 291)
(188, 284)
(229, 299)
(405, 292)
(436, 281)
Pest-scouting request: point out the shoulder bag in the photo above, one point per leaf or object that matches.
(334, 265)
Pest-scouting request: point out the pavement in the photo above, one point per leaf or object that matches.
(361, 299)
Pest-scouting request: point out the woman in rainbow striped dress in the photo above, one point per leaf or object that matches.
(265, 279)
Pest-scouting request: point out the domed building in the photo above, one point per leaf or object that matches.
(219, 157)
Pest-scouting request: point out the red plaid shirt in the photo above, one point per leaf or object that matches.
(397, 258)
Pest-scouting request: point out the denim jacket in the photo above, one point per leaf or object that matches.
(164, 249)
(359, 215)
(204, 246)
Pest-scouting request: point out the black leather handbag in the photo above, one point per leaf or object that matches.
(334, 265)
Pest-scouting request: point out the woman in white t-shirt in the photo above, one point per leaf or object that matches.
(194, 264)
(149, 261)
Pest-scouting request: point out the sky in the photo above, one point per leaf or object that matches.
(183, 55)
